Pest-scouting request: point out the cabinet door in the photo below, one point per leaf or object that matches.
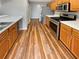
(12, 34)
(66, 1)
(4, 47)
(75, 43)
(15, 33)
(74, 5)
(63, 1)
(4, 44)
(68, 39)
(53, 5)
(47, 19)
(65, 35)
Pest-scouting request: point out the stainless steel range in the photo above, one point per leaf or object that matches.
(55, 22)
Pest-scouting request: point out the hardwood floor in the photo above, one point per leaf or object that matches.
(38, 43)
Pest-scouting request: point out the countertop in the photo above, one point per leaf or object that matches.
(53, 15)
(73, 24)
(12, 19)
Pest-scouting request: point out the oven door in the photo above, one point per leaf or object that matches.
(55, 28)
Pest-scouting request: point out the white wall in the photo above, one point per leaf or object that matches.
(36, 11)
(0, 3)
(16, 8)
(29, 12)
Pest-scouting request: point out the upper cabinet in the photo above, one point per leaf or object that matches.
(75, 43)
(62, 1)
(74, 5)
(53, 5)
(65, 1)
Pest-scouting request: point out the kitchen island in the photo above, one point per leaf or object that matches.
(9, 29)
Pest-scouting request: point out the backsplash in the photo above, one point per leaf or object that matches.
(77, 13)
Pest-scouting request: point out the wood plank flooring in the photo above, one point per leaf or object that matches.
(38, 43)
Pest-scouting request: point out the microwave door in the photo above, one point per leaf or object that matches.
(66, 7)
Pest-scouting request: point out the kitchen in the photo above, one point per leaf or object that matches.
(37, 29)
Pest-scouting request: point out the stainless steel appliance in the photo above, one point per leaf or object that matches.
(63, 7)
(66, 7)
(55, 22)
(59, 7)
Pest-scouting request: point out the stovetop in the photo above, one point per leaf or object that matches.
(62, 19)
(65, 17)
(55, 18)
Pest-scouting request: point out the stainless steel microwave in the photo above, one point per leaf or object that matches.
(63, 7)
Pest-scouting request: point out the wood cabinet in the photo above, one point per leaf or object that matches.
(13, 34)
(60, 1)
(63, 1)
(65, 35)
(66, 1)
(46, 21)
(75, 43)
(53, 5)
(7, 38)
(74, 5)
(70, 38)
(4, 44)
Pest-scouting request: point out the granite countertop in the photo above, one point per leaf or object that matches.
(73, 24)
(12, 19)
(53, 15)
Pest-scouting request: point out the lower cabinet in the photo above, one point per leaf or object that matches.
(46, 21)
(7, 38)
(12, 34)
(70, 38)
(75, 43)
(65, 35)
(4, 44)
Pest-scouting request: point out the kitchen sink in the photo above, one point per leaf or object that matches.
(4, 24)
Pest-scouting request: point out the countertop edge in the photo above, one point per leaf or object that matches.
(71, 24)
(10, 25)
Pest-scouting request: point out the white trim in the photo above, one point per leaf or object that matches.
(23, 28)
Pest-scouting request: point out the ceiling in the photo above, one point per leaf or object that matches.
(40, 0)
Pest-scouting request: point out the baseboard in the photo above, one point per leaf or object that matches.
(23, 28)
